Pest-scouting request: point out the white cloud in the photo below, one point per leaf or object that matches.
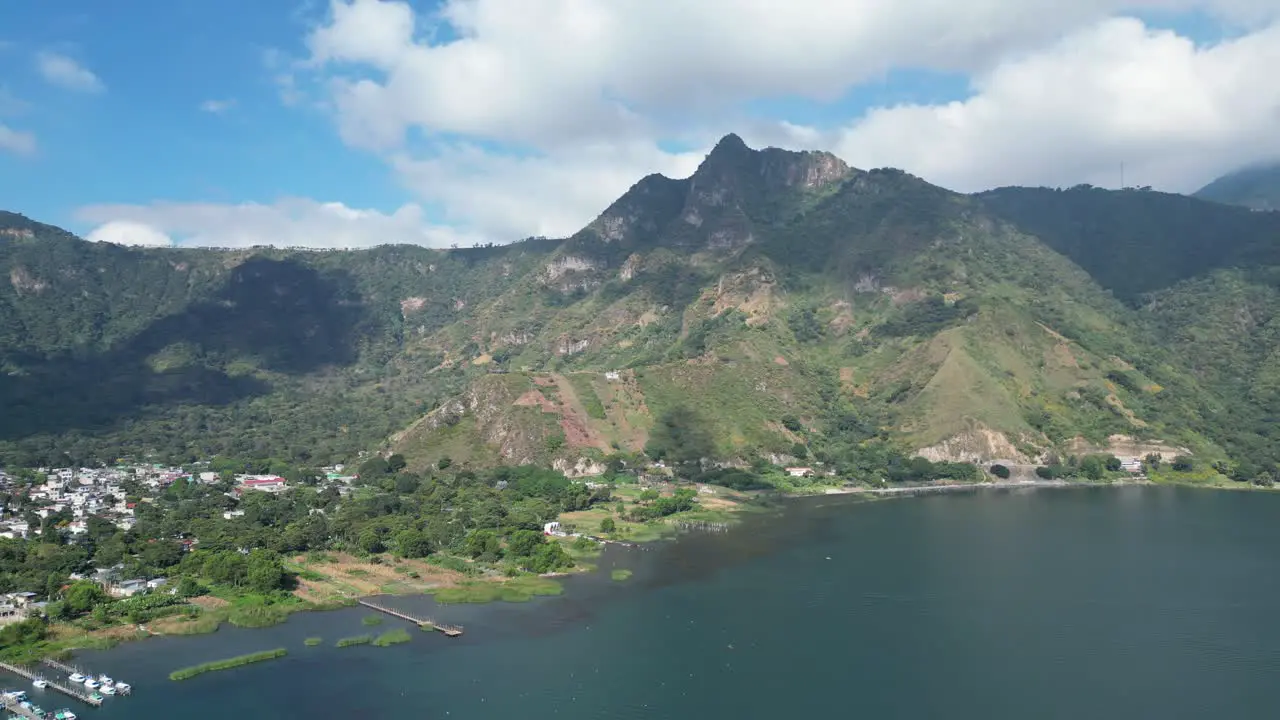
(556, 71)
(585, 90)
(288, 222)
(217, 107)
(17, 142)
(65, 72)
(527, 117)
(1174, 114)
(506, 198)
(126, 232)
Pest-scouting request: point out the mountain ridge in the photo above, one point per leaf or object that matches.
(801, 308)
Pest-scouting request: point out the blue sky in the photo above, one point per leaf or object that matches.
(146, 137)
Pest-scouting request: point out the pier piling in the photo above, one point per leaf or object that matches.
(420, 621)
(81, 696)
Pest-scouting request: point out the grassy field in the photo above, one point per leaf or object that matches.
(718, 505)
(313, 641)
(517, 589)
(338, 577)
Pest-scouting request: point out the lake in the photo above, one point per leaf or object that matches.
(1076, 603)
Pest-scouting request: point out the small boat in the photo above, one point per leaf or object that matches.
(105, 680)
(91, 683)
(76, 678)
(96, 697)
(64, 715)
(108, 689)
(124, 688)
(40, 683)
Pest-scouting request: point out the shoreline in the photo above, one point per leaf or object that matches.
(996, 485)
(112, 636)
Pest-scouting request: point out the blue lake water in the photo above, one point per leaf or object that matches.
(1076, 603)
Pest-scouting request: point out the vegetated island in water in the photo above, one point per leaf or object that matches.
(392, 637)
(227, 664)
(354, 640)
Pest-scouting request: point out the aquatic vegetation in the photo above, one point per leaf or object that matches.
(227, 664)
(356, 640)
(393, 637)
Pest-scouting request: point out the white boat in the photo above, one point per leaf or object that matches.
(108, 689)
(91, 683)
(106, 680)
(18, 695)
(124, 687)
(64, 715)
(76, 678)
(40, 683)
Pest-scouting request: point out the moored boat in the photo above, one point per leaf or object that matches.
(76, 678)
(108, 689)
(124, 688)
(40, 683)
(91, 683)
(96, 697)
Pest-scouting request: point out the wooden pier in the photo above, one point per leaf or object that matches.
(425, 623)
(62, 666)
(71, 669)
(16, 708)
(81, 696)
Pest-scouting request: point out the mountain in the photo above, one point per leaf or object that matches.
(1256, 187)
(774, 305)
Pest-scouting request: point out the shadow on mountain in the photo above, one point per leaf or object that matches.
(277, 316)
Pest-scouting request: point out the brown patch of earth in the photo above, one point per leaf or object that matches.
(532, 398)
(779, 360)
(209, 602)
(345, 576)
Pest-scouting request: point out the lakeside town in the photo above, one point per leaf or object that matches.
(67, 500)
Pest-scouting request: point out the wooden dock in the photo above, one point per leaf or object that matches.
(423, 622)
(77, 694)
(16, 708)
(62, 666)
(71, 669)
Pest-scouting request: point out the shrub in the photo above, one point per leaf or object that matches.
(1000, 471)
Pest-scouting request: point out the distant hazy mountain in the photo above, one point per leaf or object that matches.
(1257, 188)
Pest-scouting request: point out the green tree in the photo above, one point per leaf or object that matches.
(189, 587)
(1114, 464)
(608, 526)
(1093, 467)
(523, 543)
(83, 596)
(265, 571)
(1184, 463)
(413, 544)
(1000, 471)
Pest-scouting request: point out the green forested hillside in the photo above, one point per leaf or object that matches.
(775, 306)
